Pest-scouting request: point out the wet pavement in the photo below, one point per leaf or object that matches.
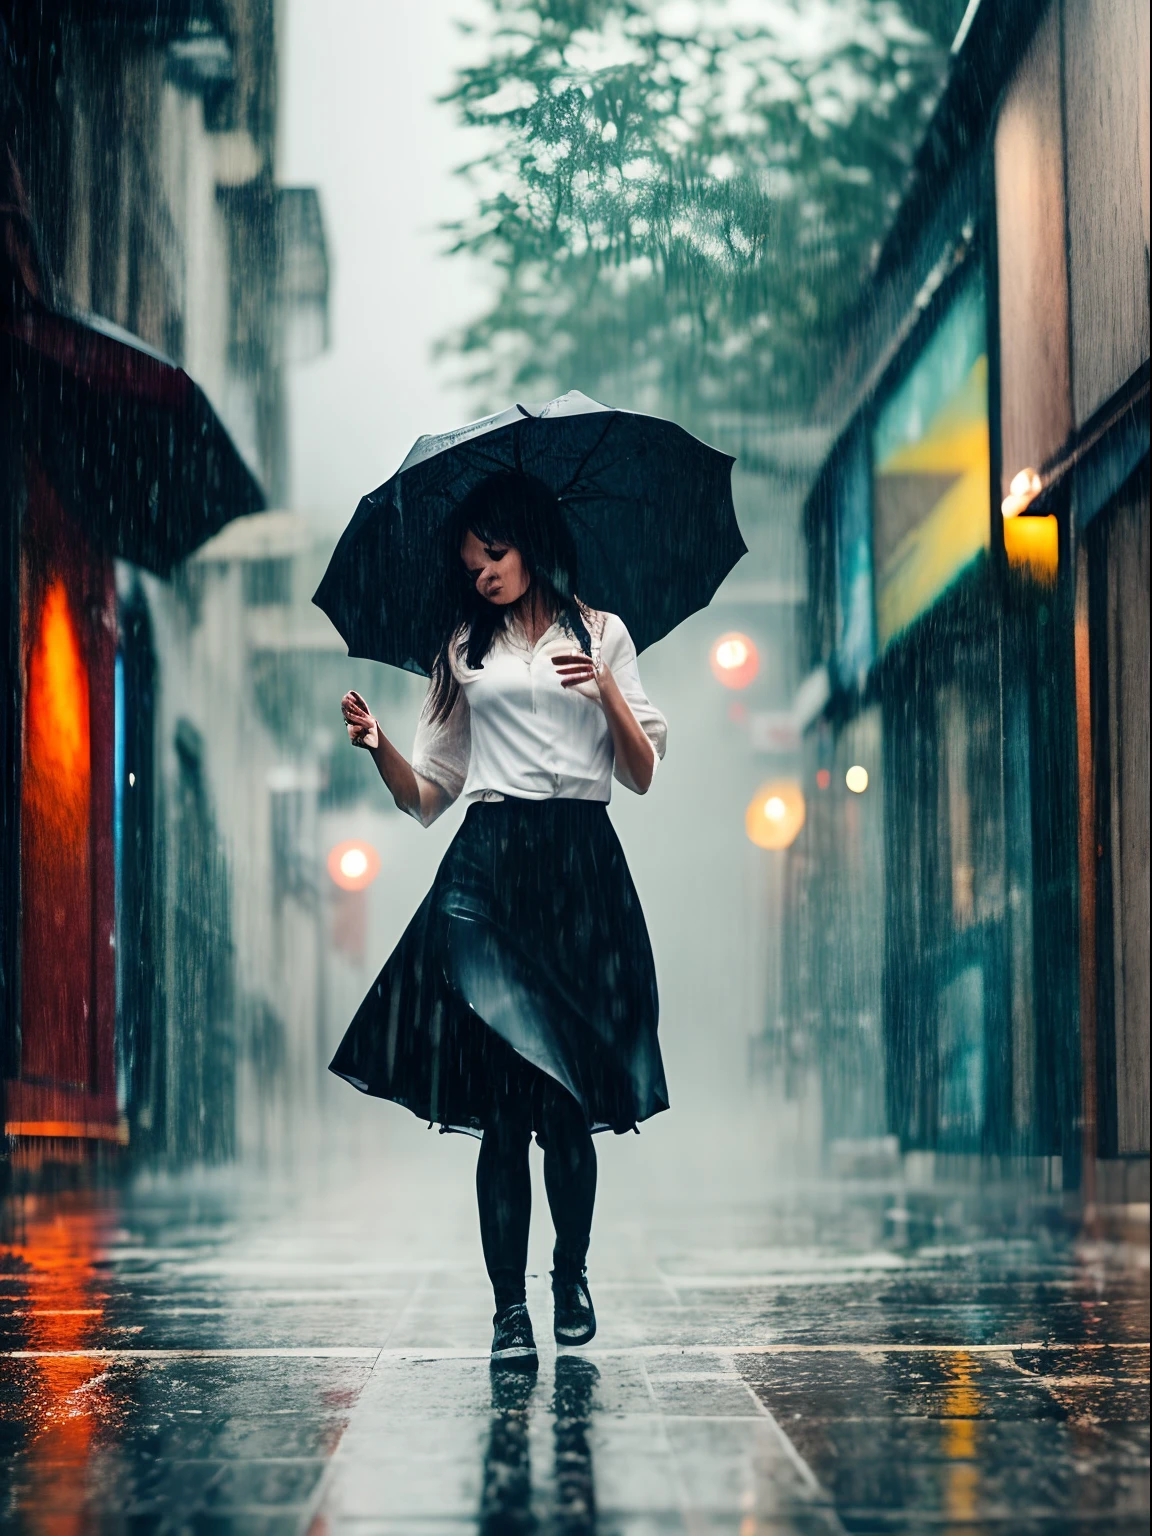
(262, 1357)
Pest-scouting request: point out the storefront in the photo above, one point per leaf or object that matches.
(110, 451)
(979, 585)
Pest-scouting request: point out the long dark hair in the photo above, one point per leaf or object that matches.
(517, 510)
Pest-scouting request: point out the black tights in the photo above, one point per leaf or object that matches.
(504, 1185)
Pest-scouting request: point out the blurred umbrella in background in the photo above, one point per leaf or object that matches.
(649, 506)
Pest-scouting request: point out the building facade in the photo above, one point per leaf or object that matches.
(156, 283)
(978, 606)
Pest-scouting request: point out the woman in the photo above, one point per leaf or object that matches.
(522, 998)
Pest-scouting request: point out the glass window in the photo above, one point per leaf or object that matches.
(855, 636)
(931, 467)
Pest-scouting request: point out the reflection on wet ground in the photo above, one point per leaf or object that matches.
(228, 1358)
(506, 1500)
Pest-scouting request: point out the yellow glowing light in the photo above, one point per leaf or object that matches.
(1023, 490)
(857, 779)
(1032, 545)
(735, 660)
(775, 815)
(353, 865)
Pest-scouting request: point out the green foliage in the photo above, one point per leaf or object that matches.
(681, 198)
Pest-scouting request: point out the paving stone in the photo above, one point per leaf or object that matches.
(768, 1364)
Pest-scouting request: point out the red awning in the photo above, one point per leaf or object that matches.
(130, 440)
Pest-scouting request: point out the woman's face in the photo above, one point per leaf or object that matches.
(496, 570)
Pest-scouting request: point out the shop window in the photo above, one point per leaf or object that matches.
(962, 1059)
(957, 809)
(930, 456)
(855, 629)
(202, 1117)
(139, 999)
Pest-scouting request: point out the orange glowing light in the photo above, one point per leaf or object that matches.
(353, 865)
(1032, 545)
(735, 660)
(58, 751)
(68, 1130)
(775, 814)
(61, 1253)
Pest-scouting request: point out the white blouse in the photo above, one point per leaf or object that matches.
(514, 730)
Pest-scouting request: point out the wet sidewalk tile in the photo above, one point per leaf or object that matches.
(237, 1368)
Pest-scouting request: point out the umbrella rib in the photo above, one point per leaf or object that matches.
(596, 539)
(596, 447)
(592, 494)
(480, 459)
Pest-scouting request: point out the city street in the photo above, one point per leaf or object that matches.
(568, 561)
(225, 1354)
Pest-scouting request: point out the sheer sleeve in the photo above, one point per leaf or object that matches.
(618, 651)
(440, 755)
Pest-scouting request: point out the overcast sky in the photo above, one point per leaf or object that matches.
(359, 121)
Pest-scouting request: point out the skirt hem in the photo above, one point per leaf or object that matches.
(476, 1129)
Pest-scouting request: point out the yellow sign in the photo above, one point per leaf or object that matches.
(931, 465)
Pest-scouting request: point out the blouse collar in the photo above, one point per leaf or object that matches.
(516, 635)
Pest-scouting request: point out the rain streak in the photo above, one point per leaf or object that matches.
(574, 863)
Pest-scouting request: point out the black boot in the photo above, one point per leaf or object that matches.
(575, 1318)
(513, 1346)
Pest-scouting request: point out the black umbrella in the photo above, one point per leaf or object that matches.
(649, 506)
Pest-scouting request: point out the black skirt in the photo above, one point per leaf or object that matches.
(532, 938)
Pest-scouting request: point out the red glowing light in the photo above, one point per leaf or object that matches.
(823, 778)
(735, 660)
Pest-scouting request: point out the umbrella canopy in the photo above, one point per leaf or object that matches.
(648, 505)
(130, 440)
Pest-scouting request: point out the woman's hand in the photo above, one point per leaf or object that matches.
(578, 668)
(363, 729)
(415, 796)
(634, 752)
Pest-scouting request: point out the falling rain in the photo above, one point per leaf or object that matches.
(738, 416)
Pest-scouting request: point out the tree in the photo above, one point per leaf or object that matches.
(682, 198)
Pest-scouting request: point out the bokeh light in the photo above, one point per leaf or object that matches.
(775, 814)
(353, 865)
(735, 660)
(1023, 491)
(823, 778)
(857, 779)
